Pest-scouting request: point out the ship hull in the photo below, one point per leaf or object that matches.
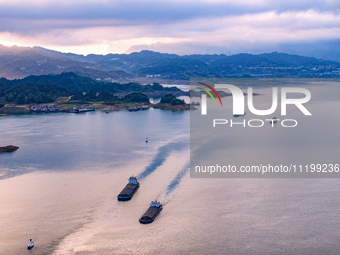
(124, 198)
(127, 197)
(148, 220)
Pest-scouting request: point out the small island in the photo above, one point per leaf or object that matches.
(171, 103)
(8, 148)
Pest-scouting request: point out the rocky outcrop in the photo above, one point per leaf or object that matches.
(8, 148)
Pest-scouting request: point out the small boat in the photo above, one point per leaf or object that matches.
(30, 245)
(238, 115)
(129, 190)
(151, 214)
(134, 109)
(274, 120)
(107, 112)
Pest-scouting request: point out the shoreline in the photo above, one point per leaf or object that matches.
(64, 104)
(13, 109)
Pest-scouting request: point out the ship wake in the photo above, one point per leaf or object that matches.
(162, 154)
(170, 190)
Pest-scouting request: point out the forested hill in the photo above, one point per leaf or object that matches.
(30, 93)
(74, 82)
(46, 88)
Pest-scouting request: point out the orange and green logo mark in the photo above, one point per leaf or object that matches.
(209, 93)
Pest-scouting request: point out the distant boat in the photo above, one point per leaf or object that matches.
(238, 115)
(134, 109)
(80, 109)
(151, 214)
(274, 120)
(30, 245)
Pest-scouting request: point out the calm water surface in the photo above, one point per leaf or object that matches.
(60, 189)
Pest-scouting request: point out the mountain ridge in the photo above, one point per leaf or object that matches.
(19, 62)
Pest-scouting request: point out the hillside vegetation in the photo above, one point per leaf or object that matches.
(46, 88)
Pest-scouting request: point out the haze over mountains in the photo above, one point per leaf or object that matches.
(20, 62)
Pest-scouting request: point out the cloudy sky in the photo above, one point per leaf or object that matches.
(306, 27)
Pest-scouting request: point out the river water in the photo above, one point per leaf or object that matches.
(59, 188)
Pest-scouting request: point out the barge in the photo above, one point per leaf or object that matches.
(129, 190)
(151, 214)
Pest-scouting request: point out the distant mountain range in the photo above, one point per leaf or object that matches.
(20, 62)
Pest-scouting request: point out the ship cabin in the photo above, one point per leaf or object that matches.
(133, 180)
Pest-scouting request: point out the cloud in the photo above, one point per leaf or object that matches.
(146, 11)
(177, 26)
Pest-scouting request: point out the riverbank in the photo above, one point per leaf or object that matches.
(11, 109)
(169, 107)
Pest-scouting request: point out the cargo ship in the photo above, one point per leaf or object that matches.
(129, 190)
(151, 214)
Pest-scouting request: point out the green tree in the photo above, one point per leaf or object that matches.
(105, 96)
(91, 95)
(20, 99)
(136, 97)
(176, 101)
(9, 97)
(78, 95)
(171, 99)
